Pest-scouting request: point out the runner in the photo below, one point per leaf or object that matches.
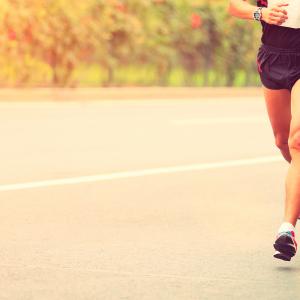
(278, 64)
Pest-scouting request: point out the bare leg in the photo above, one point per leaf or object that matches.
(292, 203)
(278, 103)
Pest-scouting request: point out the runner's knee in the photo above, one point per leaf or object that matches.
(294, 141)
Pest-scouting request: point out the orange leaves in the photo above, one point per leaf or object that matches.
(27, 34)
(11, 34)
(196, 21)
(121, 7)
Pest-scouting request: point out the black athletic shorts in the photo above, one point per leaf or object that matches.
(278, 68)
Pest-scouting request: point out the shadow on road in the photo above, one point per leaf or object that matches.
(290, 269)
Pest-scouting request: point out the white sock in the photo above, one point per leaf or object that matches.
(285, 226)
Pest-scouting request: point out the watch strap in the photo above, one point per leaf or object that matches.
(257, 14)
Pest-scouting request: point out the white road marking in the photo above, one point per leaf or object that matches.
(138, 173)
(220, 120)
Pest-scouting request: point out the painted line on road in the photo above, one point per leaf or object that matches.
(138, 173)
(221, 120)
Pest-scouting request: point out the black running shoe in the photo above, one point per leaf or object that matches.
(285, 245)
(282, 256)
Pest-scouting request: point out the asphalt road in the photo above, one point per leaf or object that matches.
(141, 200)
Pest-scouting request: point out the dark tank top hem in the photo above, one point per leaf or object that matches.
(279, 36)
(273, 49)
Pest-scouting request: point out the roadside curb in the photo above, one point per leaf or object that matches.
(125, 93)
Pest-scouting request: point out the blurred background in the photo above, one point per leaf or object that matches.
(95, 43)
(159, 197)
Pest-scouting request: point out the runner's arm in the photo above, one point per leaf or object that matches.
(241, 9)
(275, 14)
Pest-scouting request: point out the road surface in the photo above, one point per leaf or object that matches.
(141, 200)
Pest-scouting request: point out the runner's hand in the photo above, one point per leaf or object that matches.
(275, 14)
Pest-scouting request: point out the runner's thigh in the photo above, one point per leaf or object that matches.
(295, 110)
(278, 103)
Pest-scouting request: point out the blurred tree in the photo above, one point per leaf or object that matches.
(114, 34)
(198, 38)
(59, 38)
(238, 51)
(158, 29)
(44, 42)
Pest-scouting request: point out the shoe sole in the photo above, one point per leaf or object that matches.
(282, 256)
(284, 244)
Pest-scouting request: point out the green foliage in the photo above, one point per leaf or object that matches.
(129, 42)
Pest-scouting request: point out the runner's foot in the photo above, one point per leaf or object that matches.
(281, 256)
(285, 245)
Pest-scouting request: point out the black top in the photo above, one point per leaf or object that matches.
(278, 36)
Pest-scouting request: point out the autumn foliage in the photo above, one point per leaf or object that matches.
(46, 42)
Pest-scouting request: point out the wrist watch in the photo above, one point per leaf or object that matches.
(257, 14)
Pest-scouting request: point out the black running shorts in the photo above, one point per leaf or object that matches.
(278, 68)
